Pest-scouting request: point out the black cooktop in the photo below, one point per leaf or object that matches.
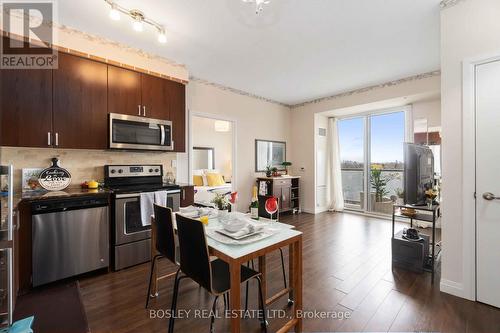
(137, 188)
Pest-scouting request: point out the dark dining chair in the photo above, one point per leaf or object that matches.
(165, 241)
(214, 276)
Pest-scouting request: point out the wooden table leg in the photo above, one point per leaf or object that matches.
(290, 273)
(235, 303)
(297, 280)
(154, 282)
(262, 270)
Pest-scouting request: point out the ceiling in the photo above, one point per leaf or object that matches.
(295, 51)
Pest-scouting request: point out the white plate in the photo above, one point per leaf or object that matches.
(231, 234)
(263, 234)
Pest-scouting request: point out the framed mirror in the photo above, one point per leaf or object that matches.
(203, 158)
(271, 153)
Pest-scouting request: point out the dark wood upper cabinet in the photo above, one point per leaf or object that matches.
(26, 107)
(80, 103)
(155, 97)
(124, 91)
(177, 93)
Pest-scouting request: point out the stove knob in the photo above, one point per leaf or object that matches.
(150, 170)
(120, 171)
(113, 170)
(157, 170)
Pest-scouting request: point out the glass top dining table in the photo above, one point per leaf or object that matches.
(284, 235)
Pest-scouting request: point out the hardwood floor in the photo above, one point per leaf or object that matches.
(347, 268)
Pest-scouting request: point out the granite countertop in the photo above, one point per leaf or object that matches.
(69, 192)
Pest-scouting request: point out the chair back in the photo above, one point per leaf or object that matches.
(165, 239)
(194, 258)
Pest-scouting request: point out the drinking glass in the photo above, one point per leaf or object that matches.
(271, 207)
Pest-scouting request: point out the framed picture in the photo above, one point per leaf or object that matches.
(271, 153)
(30, 179)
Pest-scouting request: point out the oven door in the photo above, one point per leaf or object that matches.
(128, 224)
(131, 132)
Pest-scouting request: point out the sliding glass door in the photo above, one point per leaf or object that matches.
(352, 157)
(371, 151)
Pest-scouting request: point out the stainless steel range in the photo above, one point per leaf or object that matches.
(131, 239)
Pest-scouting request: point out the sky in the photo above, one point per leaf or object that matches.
(387, 137)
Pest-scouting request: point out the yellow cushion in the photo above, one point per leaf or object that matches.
(197, 180)
(215, 179)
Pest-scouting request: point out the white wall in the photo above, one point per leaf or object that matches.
(430, 110)
(469, 29)
(254, 119)
(322, 163)
(204, 135)
(303, 123)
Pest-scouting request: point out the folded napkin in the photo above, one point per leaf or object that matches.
(248, 229)
(194, 212)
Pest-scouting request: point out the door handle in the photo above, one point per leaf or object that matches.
(48, 138)
(139, 108)
(57, 139)
(144, 110)
(490, 196)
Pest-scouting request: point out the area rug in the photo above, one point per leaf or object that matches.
(57, 309)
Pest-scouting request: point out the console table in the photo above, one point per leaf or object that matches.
(425, 214)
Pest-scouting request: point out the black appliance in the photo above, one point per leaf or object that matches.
(135, 132)
(418, 173)
(131, 240)
(410, 254)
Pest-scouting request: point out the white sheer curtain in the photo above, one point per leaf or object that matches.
(334, 172)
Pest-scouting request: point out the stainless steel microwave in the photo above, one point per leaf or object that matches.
(132, 132)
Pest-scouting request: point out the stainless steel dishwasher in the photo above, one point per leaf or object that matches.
(70, 237)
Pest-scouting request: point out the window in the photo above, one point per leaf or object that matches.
(371, 152)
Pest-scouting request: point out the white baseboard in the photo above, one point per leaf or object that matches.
(308, 210)
(452, 288)
(320, 210)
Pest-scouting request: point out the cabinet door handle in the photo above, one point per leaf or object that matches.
(144, 110)
(57, 139)
(48, 138)
(139, 108)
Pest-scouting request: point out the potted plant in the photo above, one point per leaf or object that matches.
(400, 196)
(275, 172)
(378, 183)
(221, 202)
(286, 165)
(269, 171)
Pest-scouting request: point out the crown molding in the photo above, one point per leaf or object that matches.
(449, 3)
(370, 88)
(236, 91)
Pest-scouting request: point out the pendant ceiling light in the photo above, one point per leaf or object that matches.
(139, 19)
(259, 4)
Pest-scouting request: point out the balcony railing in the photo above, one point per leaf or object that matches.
(353, 185)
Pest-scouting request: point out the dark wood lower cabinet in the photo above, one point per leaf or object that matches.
(187, 195)
(80, 115)
(286, 189)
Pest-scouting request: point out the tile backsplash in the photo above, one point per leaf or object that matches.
(83, 164)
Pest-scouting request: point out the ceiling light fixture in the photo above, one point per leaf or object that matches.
(259, 4)
(114, 14)
(138, 19)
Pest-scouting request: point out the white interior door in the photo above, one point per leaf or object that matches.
(488, 183)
